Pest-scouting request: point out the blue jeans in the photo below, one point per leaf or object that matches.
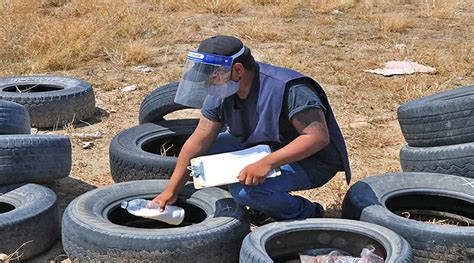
(270, 197)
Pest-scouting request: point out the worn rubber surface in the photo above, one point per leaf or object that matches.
(452, 159)
(34, 219)
(14, 118)
(72, 101)
(134, 155)
(34, 158)
(373, 199)
(88, 235)
(443, 118)
(278, 241)
(159, 103)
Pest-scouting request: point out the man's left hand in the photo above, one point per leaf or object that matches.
(254, 174)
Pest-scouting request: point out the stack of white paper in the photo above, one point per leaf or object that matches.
(221, 169)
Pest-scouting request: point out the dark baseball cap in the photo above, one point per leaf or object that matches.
(221, 45)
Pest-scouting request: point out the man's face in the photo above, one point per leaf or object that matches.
(219, 76)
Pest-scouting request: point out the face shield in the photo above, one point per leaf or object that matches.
(206, 80)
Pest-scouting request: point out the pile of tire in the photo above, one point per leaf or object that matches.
(29, 219)
(437, 182)
(150, 149)
(439, 130)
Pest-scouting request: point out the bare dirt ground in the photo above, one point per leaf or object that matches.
(332, 41)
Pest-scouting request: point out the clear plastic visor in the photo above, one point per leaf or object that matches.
(201, 72)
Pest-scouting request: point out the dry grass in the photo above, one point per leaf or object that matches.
(442, 8)
(395, 22)
(259, 30)
(337, 189)
(61, 35)
(436, 220)
(14, 256)
(218, 6)
(329, 5)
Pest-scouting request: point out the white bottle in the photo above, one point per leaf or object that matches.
(172, 215)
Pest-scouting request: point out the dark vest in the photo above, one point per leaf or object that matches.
(273, 82)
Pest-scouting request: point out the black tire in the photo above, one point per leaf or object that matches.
(51, 101)
(9, 187)
(28, 215)
(282, 241)
(159, 103)
(14, 118)
(377, 199)
(441, 119)
(34, 158)
(95, 228)
(135, 153)
(452, 159)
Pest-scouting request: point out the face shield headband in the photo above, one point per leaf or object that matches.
(202, 72)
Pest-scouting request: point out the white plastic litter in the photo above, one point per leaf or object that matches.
(173, 215)
(142, 68)
(129, 88)
(405, 67)
(400, 46)
(336, 256)
(87, 145)
(87, 136)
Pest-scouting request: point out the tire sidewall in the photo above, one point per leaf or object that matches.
(86, 218)
(370, 207)
(438, 102)
(48, 157)
(159, 103)
(69, 86)
(398, 249)
(126, 148)
(14, 118)
(129, 143)
(35, 218)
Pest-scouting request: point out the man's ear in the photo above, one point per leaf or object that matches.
(238, 69)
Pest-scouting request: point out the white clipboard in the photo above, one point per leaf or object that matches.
(223, 168)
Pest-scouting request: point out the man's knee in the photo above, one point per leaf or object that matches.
(243, 194)
(238, 193)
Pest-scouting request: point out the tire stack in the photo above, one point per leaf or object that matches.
(439, 130)
(150, 149)
(29, 219)
(437, 184)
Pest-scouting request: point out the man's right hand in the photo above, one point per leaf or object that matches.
(165, 198)
(198, 143)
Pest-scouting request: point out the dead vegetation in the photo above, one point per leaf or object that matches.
(330, 40)
(15, 256)
(436, 220)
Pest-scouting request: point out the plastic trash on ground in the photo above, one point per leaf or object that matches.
(336, 256)
(405, 67)
(172, 215)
